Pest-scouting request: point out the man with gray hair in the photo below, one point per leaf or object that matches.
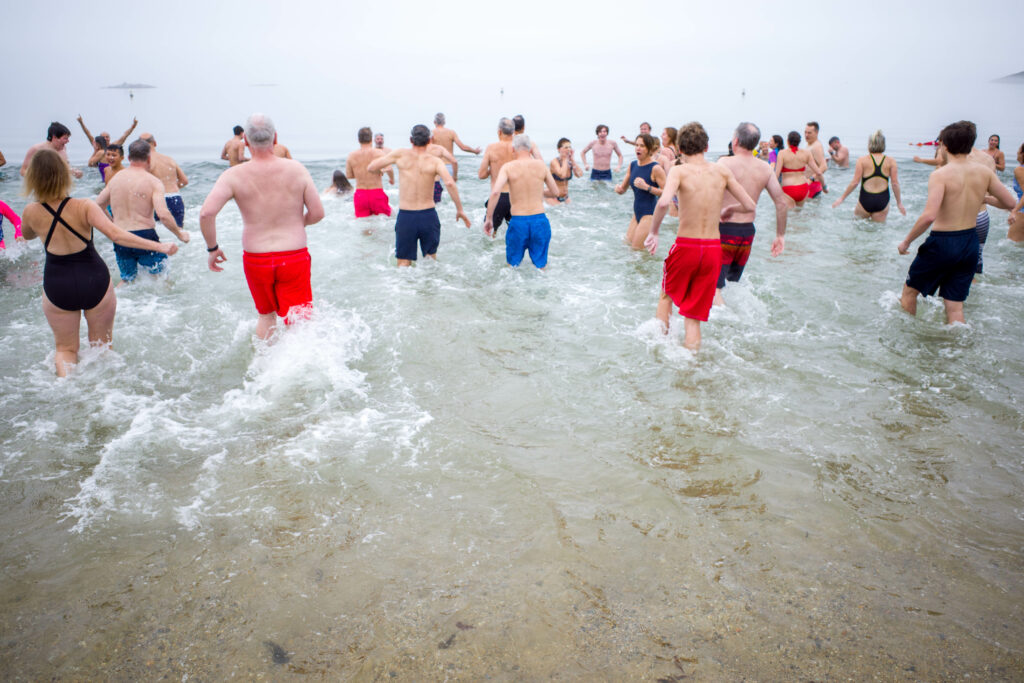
(737, 224)
(528, 228)
(277, 200)
(417, 220)
(497, 155)
(448, 138)
(135, 196)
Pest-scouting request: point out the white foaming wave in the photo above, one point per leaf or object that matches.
(206, 486)
(669, 346)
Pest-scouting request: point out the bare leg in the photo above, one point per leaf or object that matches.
(692, 338)
(664, 311)
(908, 300)
(860, 212)
(718, 301)
(404, 263)
(640, 233)
(880, 216)
(100, 319)
(630, 232)
(65, 326)
(455, 171)
(265, 325)
(954, 311)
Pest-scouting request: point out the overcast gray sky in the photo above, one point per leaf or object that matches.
(322, 69)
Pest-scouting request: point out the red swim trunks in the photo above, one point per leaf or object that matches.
(371, 202)
(814, 189)
(278, 280)
(690, 276)
(797, 192)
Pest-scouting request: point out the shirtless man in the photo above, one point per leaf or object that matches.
(277, 200)
(996, 153)
(100, 143)
(173, 178)
(839, 153)
(519, 122)
(737, 225)
(528, 228)
(370, 198)
(234, 149)
(378, 142)
(645, 129)
(57, 137)
(114, 158)
(281, 151)
(602, 155)
(694, 261)
(417, 218)
(447, 138)
(947, 261)
(815, 182)
(497, 155)
(134, 196)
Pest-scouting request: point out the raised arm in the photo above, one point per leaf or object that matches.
(120, 140)
(88, 135)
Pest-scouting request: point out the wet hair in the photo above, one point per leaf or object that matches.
(649, 142)
(48, 176)
(260, 131)
(419, 135)
(779, 142)
(597, 131)
(959, 137)
(522, 141)
(101, 141)
(365, 135)
(692, 139)
(438, 119)
(672, 134)
(748, 135)
(833, 139)
(876, 142)
(138, 151)
(505, 126)
(997, 139)
(563, 141)
(520, 123)
(341, 182)
(793, 138)
(57, 130)
(814, 124)
(238, 130)
(119, 149)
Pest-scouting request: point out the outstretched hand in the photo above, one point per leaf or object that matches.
(651, 243)
(903, 247)
(836, 203)
(184, 236)
(902, 210)
(215, 258)
(463, 217)
(778, 245)
(169, 248)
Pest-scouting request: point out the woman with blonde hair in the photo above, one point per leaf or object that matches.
(875, 172)
(75, 279)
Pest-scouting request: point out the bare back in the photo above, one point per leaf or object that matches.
(963, 185)
(271, 194)
(526, 180)
(417, 170)
(166, 171)
(236, 151)
(754, 175)
(135, 195)
(446, 138)
(699, 186)
(355, 167)
(497, 155)
(75, 213)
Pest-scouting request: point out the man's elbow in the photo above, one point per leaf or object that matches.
(314, 215)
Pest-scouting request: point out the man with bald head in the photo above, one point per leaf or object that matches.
(173, 178)
(277, 200)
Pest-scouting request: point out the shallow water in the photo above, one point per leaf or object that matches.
(461, 470)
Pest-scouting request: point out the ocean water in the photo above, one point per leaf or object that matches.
(461, 470)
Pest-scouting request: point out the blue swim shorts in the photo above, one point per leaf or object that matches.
(601, 175)
(129, 258)
(946, 262)
(531, 233)
(421, 226)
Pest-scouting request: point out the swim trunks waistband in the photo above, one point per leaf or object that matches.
(417, 211)
(735, 226)
(695, 240)
(273, 254)
(168, 195)
(951, 233)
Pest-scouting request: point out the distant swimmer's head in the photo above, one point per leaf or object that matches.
(420, 135)
(378, 139)
(148, 137)
(505, 126)
(693, 139)
(747, 135)
(56, 131)
(834, 142)
(139, 151)
(115, 154)
(341, 182)
(876, 142)
(777, 139)
(438, 119)
(520, 123)
(522, 142)
(564, 143)
(645, 145)
(601, 127)
(238, 130)
(260, 132)
(101, 141)
(668, 136)
(959, 137)
(48, 176)
(993, 141)
(811, 131)
(793, 139)
(645, 128)
(364, 135)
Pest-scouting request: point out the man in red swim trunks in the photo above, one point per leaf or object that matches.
(694, 261)
(277, 200)
(815, 183)
(370, 198)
